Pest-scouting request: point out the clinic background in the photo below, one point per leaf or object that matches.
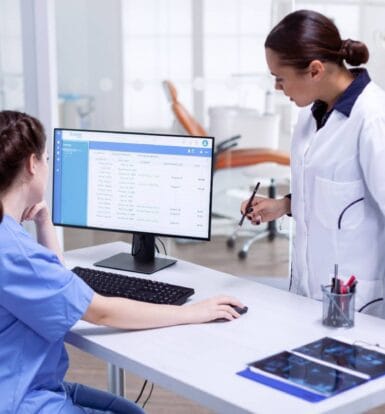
(100, 64)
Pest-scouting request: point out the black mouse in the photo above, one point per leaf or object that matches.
(238, 309)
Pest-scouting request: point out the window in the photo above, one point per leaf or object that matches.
(11, 64)
(234, 56)
(211, 49)
(157, 39)
(337, 11)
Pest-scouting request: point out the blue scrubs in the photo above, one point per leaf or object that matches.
(40, 300)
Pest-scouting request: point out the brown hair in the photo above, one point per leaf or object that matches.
(21, 135)
(305, 35)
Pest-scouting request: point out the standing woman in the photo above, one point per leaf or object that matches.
(337, 158)
(40, 300)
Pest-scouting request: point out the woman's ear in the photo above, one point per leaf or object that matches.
(316, 69)
(31, 164)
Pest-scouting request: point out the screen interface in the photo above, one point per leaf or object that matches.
(144, 183)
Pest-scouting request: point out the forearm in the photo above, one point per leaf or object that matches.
(128, 314)
(46, 236)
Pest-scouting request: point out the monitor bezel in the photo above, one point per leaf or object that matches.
(208, 238)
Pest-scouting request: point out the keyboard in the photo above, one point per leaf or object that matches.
(145, 290)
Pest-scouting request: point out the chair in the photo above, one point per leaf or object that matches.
(226, 157)
(189, 123)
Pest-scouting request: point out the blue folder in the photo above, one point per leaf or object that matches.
(302, 377)
(282, 386)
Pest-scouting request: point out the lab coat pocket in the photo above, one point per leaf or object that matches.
(339, 204)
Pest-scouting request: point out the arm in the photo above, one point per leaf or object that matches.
(267, 209)
(372, 158)
(129, 314)
(45, 230)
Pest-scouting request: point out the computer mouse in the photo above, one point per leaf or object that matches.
(238, 309)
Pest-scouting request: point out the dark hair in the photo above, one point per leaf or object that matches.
(21, 135)
(305, 35)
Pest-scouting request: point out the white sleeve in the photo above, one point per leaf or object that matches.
(372, 158)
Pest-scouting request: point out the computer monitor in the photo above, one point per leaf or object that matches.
(142, 183)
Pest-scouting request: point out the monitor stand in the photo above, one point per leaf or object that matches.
(142, 258)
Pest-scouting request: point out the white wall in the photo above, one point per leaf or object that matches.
(373, 34)
(89, 56)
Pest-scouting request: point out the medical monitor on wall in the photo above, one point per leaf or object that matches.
(142, 183)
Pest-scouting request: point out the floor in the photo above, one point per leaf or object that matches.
(265, 258)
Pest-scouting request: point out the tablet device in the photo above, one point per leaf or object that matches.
(346, 355)
(304, 373)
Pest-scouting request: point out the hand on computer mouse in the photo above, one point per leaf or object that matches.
(220, 307)
(238, 309)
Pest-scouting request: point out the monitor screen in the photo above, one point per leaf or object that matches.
(133, 182)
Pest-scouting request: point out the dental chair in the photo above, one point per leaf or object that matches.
(229, 158)
(189, 124)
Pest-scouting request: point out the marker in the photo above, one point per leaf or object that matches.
(350, 281)
(352, 288)
(343, 289)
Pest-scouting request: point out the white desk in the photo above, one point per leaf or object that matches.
(200, 361)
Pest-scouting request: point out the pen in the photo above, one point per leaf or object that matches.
(249, 204)
(334, 279)
(337, 289)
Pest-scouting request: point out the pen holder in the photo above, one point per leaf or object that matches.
(337, 308)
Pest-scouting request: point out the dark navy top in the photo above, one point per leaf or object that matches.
(345, 102)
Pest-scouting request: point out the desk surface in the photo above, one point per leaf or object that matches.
(200, 361)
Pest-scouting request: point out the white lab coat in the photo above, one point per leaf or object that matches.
(331, 168)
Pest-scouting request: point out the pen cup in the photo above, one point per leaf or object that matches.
(337, 308)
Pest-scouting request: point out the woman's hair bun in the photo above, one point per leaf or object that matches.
(354, 52)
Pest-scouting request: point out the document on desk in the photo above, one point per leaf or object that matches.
(318, 370)
(350, 356)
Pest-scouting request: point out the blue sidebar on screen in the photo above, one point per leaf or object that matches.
(71, 181)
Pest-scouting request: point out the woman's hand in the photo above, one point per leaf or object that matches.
(263, 209)
(38, 213)
(218, 307)
(130, 314)
(45, 230)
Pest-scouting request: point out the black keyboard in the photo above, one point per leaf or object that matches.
(114, 284)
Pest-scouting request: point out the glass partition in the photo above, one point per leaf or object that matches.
(11, 64)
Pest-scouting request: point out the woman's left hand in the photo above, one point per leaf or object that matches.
(45, 231)
(38, 213)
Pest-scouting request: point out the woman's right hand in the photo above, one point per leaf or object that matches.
(219, 307)
(130, 314)
(264, 209)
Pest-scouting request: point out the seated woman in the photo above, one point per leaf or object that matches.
(40, 300)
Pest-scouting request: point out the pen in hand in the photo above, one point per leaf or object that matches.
(231, 239)
(248, 205)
